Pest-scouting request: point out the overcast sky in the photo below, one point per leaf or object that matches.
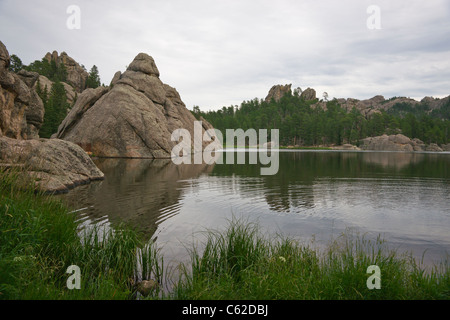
(220, 53)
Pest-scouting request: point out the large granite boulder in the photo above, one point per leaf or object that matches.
(133, 118)
(397, 142)
(51, 165)
(309, 94)
(387, 143)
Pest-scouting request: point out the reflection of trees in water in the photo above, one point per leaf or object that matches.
(292, 188)
(140, 192)
(144, 193)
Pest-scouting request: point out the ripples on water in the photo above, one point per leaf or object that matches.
(403, 196)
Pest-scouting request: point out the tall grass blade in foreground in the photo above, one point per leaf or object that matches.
(39, 240)
(240, 263)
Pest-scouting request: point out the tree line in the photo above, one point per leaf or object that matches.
(301, 123)
(55, 98)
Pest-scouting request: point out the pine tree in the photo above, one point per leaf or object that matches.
(55, 110)
(93, 81)
(15, 64)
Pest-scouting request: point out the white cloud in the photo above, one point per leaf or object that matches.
(220, 53)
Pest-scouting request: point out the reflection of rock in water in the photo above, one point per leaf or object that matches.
(139, 192)
(397, 160)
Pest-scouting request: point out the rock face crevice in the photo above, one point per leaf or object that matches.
(132, 118)
(48, 165)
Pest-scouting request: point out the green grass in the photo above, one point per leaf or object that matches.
(239, 263)
(40, 238)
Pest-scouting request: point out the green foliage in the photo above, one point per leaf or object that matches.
(93, 81)
(240, 263)
(15, 64)
(56, 107)
(301, 124)
(51, 70)
(40, 238)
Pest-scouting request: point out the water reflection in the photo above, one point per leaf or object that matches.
(140, 192)
(294, 187)
(403, 195)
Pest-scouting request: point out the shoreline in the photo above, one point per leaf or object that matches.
(40, 238)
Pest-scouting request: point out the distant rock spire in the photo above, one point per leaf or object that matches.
(278, 91)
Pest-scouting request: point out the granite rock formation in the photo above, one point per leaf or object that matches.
(309, 94)
(133, 118)
(21, 109)
(397, 142)
(277, 92)
(76, 74)
(50, 165)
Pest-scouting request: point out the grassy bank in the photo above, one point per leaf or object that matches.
(40, 238)
(240, 263)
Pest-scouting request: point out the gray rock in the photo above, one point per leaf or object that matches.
(277, 92)
(145, 64)
(396, 142)
(52, 165)
(387, 143)
(145, 287)
(4, 57)
(21, 109)
(433, 147)
(399, 139)
(308, 94)
(76, 75)
(133, 119)
(115, 78)
(48, 165)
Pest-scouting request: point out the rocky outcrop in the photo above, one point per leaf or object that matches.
(49, 165)
(277, 92)
(53, 166)
(397, 142)
(76, 74)
(376, 104)
(433, 147)
(133, 118)
(309, 94)
(21, 109)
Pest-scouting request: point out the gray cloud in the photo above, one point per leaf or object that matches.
(218, 53)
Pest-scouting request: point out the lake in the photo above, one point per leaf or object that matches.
(314, 197)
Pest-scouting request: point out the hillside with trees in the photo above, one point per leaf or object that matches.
(305, 122)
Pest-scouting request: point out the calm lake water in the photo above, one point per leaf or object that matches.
(404, 197)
